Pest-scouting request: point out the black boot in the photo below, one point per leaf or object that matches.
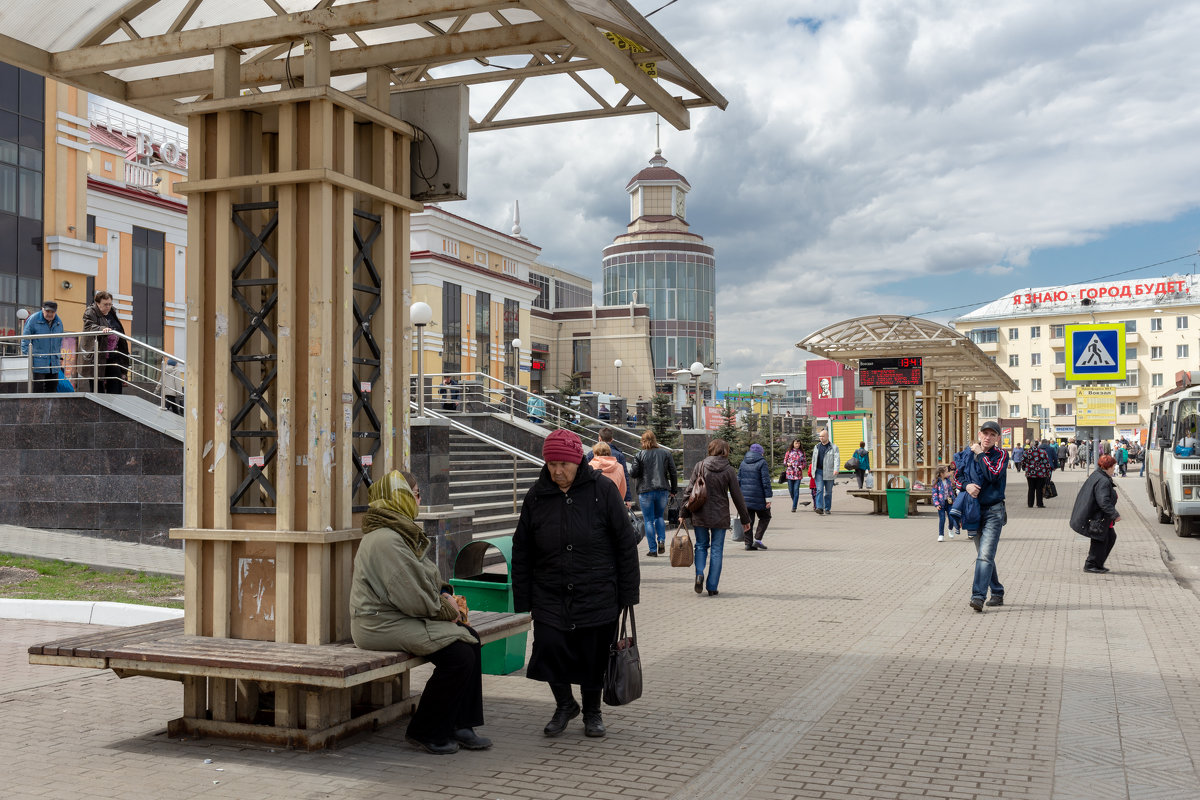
(593, 723)
(566, 710)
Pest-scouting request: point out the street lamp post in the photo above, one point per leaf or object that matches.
(697, 369)
(617, 365)
(516, 346)
(766, 393)
(420, 314)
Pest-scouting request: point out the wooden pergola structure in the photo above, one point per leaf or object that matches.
(916, 428)
(299, 196)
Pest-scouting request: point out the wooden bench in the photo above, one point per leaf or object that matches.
(878, 498)
(374, 686)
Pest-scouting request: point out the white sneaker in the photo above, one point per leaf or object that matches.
(942, 538)
(951, 534)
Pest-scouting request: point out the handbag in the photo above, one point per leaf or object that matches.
(697, 494)
(1050, 491)
(681, 547)
(639, 524)
(782, 477)
(623, 675)
(673, 510)
(1098, 526)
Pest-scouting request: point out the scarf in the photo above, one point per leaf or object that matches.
(393, 506)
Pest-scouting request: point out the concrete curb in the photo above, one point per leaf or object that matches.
(85, 612)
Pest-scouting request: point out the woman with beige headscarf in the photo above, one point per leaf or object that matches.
(398, 601)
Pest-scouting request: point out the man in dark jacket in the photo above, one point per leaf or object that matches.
(986, 480)
(754, 478)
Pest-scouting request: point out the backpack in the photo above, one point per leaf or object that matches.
(698, 492)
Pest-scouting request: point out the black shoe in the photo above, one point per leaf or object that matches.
(652, 553)
(593, 724)
(699, 584)
(758, 545)
(749, 547)
(995, 601)
(977, 604)
(1098, 570)
(436, 748)
(468, 739)
(563, 714)
(712, 592)
(819, 510)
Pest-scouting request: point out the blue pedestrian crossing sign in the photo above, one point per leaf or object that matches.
(1096, 352)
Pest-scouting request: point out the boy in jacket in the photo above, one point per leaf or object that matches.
(985, 479)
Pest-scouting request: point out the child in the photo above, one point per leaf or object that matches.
(943, 498)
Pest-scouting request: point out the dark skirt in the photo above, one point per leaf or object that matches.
(575, 657)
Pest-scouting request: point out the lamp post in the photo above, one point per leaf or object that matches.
(516, 346)
(617, 365)
(22, 315)
(420, 314)
(697, 369)
(763, 388)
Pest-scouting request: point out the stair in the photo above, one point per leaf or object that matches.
(481, 480)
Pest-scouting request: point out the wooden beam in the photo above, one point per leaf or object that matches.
(451, 48)
(574, 27)
(259, 33)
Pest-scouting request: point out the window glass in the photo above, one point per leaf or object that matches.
(8, 188)
(29, 193)
(1181, 323)
(1035, 331)
(1156, 323)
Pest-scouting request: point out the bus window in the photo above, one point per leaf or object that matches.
(1152, 437)
(1189, 414)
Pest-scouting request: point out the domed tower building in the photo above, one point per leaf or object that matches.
(660, 262)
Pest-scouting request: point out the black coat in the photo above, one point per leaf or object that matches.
(575, 558)
(1097, 498)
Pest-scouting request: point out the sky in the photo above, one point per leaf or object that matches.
(887, 157)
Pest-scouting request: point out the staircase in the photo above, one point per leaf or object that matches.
(481, 480)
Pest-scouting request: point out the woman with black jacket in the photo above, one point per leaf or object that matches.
(658, 481)
(575, 566)
(1095, 514)
(107, 351)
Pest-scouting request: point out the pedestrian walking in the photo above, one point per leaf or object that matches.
(862, 462)
(1122, 455)
(754, 479)
(1095, 514)
(985, 478)
(826, 463)
(943, 499)
(575, 566)
(1037, 472)
(398, 601)
(711, 520)
(46, 352)
(107, 351)
(658, 481)
(172, 386)
(1018, 456)
(794, 470)
(602, 459)
(1073, 454)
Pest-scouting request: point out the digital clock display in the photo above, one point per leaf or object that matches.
(890, 371)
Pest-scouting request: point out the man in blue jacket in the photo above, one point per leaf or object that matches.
(46, 352)
(986, 480)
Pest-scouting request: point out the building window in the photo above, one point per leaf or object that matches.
(1035, 331)
(1014, 361)
(1036, 410)
(1155, 353)
(1058, 331)
(148, 280)
(1129, 408)
(22, 120)
(1017, 383)
(1131, 326)
(1180, 323)
(512, 330)
(1156, 379)
(1014, 411)
(542, 283)
(451, 327)
(1131, 354)
(1035, 384)
(1063, 409)
(1035, 359)
(989, 410)
(483, 332)
(571, 295)
(985, 335)
(1013, 334)
(1060, 357)
(581, 357)
(1181, 351)
(1156, 323)
(1060, 383)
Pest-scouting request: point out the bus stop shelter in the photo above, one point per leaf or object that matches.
(918, 426)
(313, 136)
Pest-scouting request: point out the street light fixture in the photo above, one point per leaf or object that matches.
(618, 364)
(697, 369)
(420, 314)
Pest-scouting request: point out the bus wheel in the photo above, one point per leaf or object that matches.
(1183, 526)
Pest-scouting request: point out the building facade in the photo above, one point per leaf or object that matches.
(660, 263)
(1024, 333)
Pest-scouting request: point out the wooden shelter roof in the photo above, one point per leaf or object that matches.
(949, 358)
(596, 58)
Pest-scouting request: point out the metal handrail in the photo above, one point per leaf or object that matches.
(635, 439)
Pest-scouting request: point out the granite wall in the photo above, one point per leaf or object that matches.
(67, 463)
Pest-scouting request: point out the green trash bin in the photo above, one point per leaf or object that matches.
(490, 591)
(897, 499)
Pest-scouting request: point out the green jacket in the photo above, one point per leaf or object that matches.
(395, 599)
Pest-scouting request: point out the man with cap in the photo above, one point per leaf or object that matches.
(986, 479)
(46, 351)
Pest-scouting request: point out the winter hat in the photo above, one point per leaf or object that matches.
(562, 446)
(756, 448)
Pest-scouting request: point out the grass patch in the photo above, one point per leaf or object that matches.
(38, 579)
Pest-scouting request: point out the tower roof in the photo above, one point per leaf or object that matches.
(657, 171)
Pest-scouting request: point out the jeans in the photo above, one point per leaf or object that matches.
(991, 521)
(1142, 471)
(794, 491)
(943, 518)
(709, 539)
(654, 511)
(824, 493)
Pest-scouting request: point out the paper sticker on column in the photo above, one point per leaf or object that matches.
(367, 460)
(257, 461)
(365, 387)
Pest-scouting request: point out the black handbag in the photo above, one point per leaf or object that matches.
(1050, 491)
(639, 524)
(623, 676)
(1098, 526)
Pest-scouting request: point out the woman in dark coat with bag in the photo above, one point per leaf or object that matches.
(711, 520)
(1095, 514)
(108, 352)
(575, 566)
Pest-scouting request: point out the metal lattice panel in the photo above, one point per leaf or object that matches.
(254, 359)
(919, 429)
(891, 429)
(367, 366)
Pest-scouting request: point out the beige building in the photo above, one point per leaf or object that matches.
(1024, 333)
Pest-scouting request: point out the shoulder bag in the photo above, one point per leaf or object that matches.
(681, 547)
(623, 675)
(639, 524)
(1050, 491)
(697, 492)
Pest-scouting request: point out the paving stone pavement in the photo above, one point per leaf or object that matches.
(843, 662)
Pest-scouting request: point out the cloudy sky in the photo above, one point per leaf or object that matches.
(888, 156)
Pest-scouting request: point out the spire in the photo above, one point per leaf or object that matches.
(516, 228)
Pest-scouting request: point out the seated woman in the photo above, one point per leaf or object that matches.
(398, 601)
